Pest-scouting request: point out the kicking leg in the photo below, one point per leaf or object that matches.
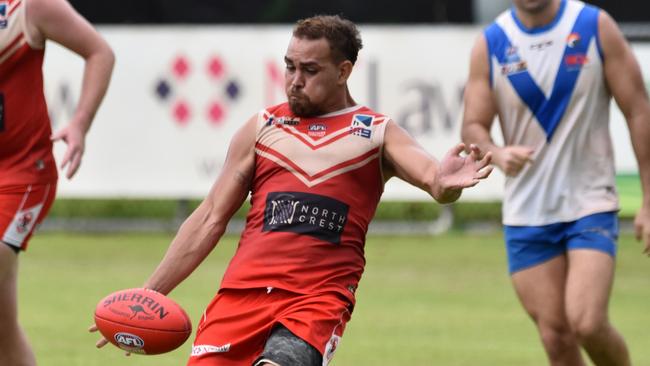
(284, 348)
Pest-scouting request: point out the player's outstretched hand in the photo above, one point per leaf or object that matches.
(642, 227)
(102, 341)
(457, 172)
(74, 136)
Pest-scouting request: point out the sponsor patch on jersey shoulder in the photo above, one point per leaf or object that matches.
(283, 120)
(310, 214)
(514, 68)
(4, 8)
(573, 40)
(362, 125)
(513, 63)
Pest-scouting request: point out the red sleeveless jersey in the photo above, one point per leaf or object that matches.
(316, 186)
(25, 146)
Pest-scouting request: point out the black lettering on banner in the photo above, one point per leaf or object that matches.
(318, 216)
(2, 112)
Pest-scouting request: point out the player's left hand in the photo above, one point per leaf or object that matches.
(74, 137)
(642, 227)
(457, 172)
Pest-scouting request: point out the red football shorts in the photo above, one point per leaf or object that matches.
(237, 323)
(22, 208)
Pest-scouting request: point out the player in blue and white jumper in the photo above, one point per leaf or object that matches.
(548, 69)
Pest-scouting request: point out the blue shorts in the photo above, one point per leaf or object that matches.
(528, 246)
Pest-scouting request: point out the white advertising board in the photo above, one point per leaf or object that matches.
(178, 94)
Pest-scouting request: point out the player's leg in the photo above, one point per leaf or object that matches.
(283, 348)
(233, 328)
(308, 330)
(14, 348)
(590, 277)
(22, 208)
(541, 291)
(588, 288)
(538, 266)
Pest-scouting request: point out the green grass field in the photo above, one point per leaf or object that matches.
(441, 300)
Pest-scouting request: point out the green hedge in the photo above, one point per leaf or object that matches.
(628, 186)
(170, 209)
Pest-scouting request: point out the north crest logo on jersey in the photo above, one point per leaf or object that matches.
(362, 125)
(305, 213)
(4, 6)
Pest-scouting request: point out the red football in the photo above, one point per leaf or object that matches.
(142, 321)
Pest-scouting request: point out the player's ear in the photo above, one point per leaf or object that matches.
(345, 69)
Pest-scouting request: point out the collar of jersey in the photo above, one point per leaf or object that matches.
(540, 29)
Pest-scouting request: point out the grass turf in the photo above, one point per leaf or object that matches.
(443, 300)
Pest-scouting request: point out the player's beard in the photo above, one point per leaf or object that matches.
(302, 106)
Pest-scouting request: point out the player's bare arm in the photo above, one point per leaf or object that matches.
(56, 20)
(480, 110)
(443, 180)
(200, 233)
(625, 82)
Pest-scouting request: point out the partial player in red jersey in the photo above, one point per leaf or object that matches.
(28, 172)
(315, 169)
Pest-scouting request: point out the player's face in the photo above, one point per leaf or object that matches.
(311, 77)
(533, 6)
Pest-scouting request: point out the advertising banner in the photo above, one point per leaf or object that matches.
(178, 94)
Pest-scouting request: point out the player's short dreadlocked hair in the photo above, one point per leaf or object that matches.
(341, 34)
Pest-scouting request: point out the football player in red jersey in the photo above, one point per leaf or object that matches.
(27, 169)
(315, 168)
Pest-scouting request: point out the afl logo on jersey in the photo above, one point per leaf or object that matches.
(3, 14)
(317, 130)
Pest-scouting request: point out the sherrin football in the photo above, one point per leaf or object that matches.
(142, 321)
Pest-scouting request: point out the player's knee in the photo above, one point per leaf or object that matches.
(588, 327)
(284, 348)
(557, 338)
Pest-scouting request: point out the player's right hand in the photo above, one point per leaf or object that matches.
(512, 159)
(102, 341)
